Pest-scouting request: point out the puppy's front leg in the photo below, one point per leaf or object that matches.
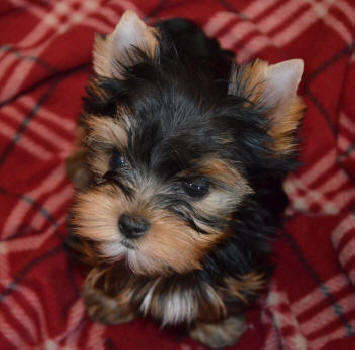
(104, 309)
(221, 334)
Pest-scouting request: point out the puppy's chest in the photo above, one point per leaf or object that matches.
(174, 301)
(171, 305)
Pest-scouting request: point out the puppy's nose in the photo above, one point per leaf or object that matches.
(133, 226)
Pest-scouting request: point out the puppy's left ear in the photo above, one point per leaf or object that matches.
(272, 88)
(117, 48)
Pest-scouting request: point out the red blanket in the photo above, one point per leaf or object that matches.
(45, 53)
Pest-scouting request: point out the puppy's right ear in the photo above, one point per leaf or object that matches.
(117, 48)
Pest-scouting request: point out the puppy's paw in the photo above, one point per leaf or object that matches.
(104, 309)
(219, 335)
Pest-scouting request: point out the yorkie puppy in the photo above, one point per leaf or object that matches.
(178, 174)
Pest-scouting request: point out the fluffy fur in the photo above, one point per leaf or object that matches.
(178, 138)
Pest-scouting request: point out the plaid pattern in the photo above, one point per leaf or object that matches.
(45, 52)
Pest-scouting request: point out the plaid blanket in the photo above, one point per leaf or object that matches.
(45, 54)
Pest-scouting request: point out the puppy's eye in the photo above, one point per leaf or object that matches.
(117, 160)
(196, 187)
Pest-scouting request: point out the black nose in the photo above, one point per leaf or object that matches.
(133, 226)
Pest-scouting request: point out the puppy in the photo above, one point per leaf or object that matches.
(178, 171)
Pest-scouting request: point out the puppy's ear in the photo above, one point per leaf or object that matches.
(117, 48)
(273, 89)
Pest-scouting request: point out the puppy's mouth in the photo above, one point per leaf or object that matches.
(128, 244)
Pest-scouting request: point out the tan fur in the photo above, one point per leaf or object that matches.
(282, 130)
(104, 309)
(222, 201)
(216, 168)
(212, 308)
(250, 283)
(219, 334)
(102, 136)
(285, 115)
(250, 79)
(76, 163)
(107, 130)
(101, 300)
(98, 222)
(173, 243)
(77, 170)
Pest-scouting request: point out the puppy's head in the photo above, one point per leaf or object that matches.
(172, 155)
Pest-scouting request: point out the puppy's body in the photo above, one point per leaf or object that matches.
(179, 166)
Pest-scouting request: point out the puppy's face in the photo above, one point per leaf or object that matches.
(169, 158)
(161, 199)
